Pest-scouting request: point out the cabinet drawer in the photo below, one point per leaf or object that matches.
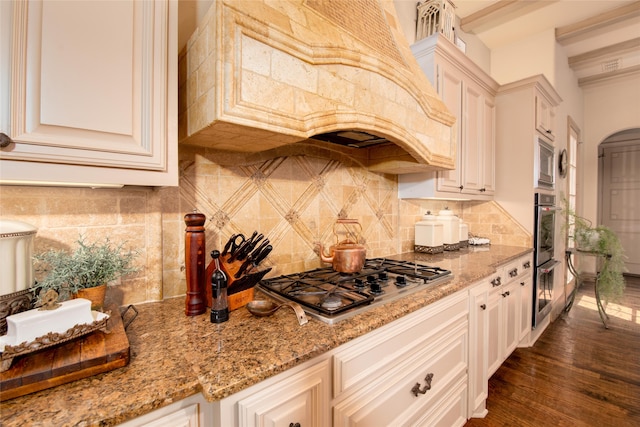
(517, 269)
(390, 400)
(356, 363)
(451, 411)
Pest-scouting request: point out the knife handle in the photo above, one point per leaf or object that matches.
(259, 249)
(263, 255)
(228, 245)
(243, 267)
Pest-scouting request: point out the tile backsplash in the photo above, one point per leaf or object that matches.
(293, 200)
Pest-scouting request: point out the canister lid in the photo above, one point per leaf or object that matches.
(13, 228)
(428, 216)
(446, 214)
(446, 211)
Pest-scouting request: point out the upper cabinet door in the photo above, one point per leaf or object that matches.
(93, 89)
(545, 115)
(450, 90)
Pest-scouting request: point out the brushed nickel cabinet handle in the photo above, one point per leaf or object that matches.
(416, 388)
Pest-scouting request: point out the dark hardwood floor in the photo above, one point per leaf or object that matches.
(577, 374)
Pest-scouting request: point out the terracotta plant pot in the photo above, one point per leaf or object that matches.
(96, 295)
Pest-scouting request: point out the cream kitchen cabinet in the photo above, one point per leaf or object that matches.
(478, 348)
(410, 372)
(91, 92)
(469, 94)
(509, 297)
(526, 307)
(545, 117)
(495, 308)
(297, 397)
(517, 143)
(193, 411)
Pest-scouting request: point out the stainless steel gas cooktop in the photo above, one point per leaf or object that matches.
(331, 296)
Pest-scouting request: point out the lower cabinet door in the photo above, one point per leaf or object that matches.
(511, 312)
(299, 400)
(494, 319)
(411, 390)
(526, 306)
(478, 349)
(194, 411)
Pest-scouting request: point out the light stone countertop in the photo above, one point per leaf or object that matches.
(174, 356)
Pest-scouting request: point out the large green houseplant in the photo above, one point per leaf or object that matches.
(604, 242)
(89, 265)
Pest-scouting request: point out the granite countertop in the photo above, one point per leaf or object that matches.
(174, 356)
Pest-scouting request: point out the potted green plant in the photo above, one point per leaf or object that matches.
(88, 268)
(604, 242)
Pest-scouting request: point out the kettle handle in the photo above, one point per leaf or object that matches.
(347, 221)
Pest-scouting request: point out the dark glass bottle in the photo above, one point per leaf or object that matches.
(219, 304)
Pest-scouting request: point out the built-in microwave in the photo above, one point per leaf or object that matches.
(545, 165)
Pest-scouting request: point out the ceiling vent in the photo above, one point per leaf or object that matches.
(612, 65)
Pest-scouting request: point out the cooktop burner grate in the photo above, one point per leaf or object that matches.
(329, 294)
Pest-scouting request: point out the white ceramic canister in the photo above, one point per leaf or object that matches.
(429, 235)
(451, 229)
(464, 234)
(16, 247)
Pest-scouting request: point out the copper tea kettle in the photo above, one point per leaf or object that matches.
(348, 255)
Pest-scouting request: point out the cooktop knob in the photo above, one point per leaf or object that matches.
(375, 288)
(383, 275)
(371, 278)
(358, 283)
(401, 281)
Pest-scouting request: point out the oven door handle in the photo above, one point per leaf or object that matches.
(549, 208)
(548, 266)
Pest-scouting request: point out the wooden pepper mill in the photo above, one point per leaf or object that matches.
(195, 258)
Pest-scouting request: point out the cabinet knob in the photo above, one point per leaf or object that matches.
(506, 294)
(482, 190)
(496, 282)
(294, 424)
(461, 187)
(483, 306)
(418, 390)
(526, 265)
(521, 283)
(5, 140)
(513, 273)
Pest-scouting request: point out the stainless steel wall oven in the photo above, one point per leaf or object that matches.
(545, 165)
(544, 242)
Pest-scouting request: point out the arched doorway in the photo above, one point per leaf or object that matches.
(619, 191)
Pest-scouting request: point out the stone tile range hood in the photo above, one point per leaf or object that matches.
(262, 77)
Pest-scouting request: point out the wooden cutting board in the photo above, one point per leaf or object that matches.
(84, 357)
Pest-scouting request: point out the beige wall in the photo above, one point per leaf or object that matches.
(515, 61)
(610, 107)
(293, 200)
